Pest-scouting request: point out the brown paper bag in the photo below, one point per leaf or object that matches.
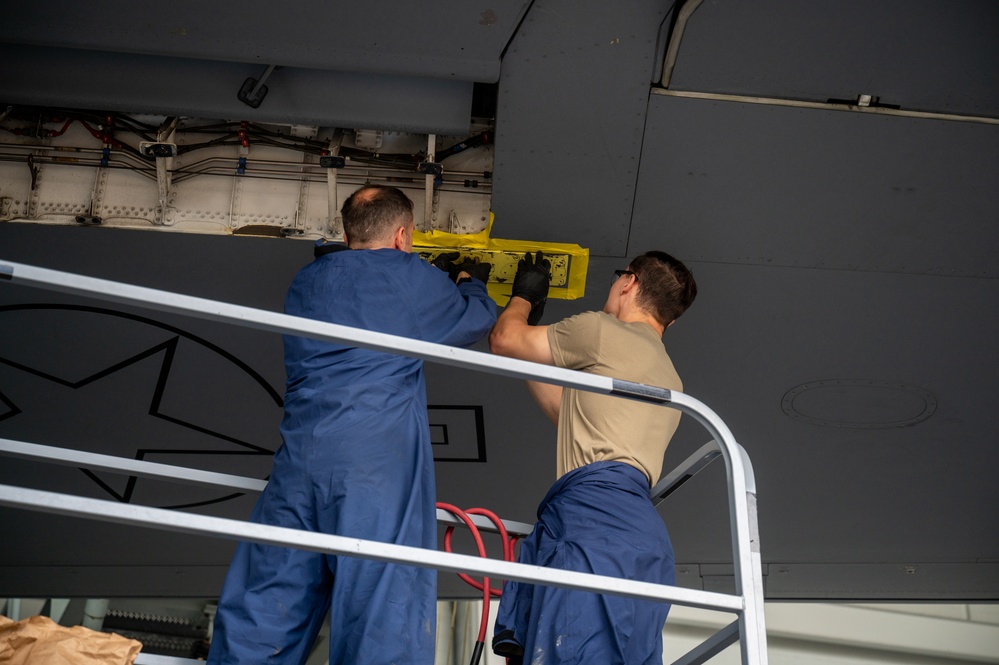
(41, 641)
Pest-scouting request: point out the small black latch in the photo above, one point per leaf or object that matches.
(864, 101)
(430, 168)
(332, 162)
(150, 149)
(252, 92)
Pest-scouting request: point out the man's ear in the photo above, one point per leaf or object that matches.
(632, 285)
(399, 239)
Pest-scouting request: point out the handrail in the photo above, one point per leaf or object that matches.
(186, 475)
(170, 520)
(748, 602)
(258, 319)
(687, 469)
(189, 476)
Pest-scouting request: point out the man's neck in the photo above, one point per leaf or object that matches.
(641, 316)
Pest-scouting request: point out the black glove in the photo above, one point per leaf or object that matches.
(534, 318)
(532, 279)
(477, 269)
(446, 263)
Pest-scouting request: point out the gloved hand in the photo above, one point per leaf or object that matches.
(532, 279)
(446, 263)
(477, 269)
(534, 318)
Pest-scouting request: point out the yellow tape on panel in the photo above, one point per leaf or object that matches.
(569, 262)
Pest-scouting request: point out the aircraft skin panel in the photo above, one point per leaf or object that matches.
(796, 187)
(453, 40)
(816, 478)
(140, 394)
(597, 62)
(846, 263)
(926, 55)
(208, 89)
(862, 342)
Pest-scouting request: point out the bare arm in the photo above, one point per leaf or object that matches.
(548, 397)
(514, 338)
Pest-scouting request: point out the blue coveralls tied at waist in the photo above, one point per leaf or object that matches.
(595, 519)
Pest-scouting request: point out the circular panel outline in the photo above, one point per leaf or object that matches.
(929, 403)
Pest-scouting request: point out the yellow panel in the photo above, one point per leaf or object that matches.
(568, 262)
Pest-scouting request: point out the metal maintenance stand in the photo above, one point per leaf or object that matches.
(747, 603)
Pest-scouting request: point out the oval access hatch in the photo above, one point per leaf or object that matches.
(859, 404)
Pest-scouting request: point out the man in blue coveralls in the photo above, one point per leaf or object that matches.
(597, 517)
(356, 458)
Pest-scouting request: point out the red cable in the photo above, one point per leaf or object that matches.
(508, 554)
(105, 137)
(59, 132)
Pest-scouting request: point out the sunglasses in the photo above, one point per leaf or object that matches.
(619, 273)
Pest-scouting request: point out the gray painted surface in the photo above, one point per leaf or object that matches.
(766, 185)
(833, 499)
(452, 39)
(208, 89)
(926, 55)
(837, 252)
(572, 100)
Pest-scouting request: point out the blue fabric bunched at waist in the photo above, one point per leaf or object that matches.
(598, 475)
(595, 519)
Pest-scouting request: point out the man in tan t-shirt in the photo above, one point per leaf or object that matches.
(597, 517)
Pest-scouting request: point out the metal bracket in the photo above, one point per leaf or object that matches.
(689, 468)
(332, 162)
(158, 150)
(252, 92)
(711, 647)
(864, 101)
(430, 168)
(34, 172)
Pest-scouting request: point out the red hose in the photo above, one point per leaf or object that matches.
(508, 555)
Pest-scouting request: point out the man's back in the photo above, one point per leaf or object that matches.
(600, 428)
(598, 516)
(356, 461)
(385, 291)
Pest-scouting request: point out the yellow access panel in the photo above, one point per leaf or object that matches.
(568, 261)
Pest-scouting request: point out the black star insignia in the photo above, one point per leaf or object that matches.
(115, 383)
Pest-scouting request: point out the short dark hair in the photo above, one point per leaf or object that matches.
(373, 212)
(666, 288)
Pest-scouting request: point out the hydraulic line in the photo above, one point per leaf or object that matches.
(509, 545)
(483, 138)
(105, 126)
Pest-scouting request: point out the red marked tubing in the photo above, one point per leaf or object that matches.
(508, 555)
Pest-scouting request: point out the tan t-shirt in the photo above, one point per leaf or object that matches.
(599, 428)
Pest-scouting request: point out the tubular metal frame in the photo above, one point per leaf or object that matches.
(747, 603)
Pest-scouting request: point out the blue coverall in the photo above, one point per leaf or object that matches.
(356, 461)
(595, 519)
